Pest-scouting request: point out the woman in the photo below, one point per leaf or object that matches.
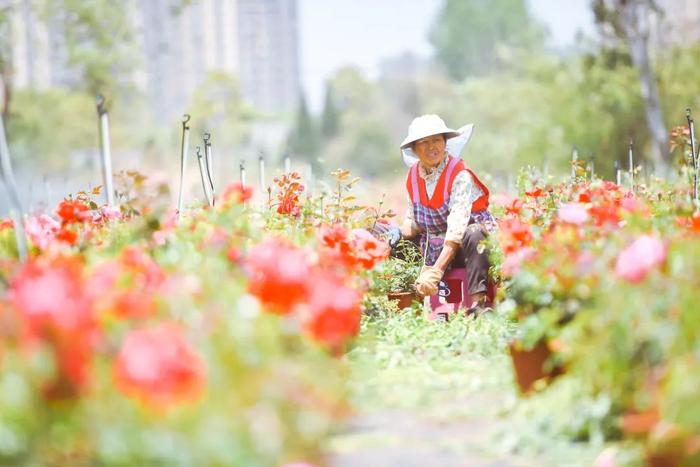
(448, 210)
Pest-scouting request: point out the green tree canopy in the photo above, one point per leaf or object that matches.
(468, 34)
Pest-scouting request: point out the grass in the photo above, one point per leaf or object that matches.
(446, 389)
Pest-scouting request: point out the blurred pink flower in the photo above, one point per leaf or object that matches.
(635, 261)
(109, 213)
(50, 298)
(512, 262)
(573, 213)
(606, 459)
(51, 295)
(41, 230)
(159, 367)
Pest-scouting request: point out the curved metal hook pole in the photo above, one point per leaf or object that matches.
(200, 162)
(183, 161)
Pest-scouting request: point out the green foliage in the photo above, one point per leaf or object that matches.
(217, 108)
(99, 40)
(52, 126)
(330, 120)
(468, 34)
(304, 138)
(399, 272)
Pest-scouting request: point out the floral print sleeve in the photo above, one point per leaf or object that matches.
(462, 195)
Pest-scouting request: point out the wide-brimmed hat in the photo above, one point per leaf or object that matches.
(427, 125)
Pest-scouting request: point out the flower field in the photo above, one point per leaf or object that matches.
(243, 334)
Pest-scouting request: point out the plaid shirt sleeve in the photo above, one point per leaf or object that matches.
(462, 195)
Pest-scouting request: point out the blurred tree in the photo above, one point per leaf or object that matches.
(99, 41)
(330, 120)
(34, 128)
(220, 110)
(468, 34)
(303, 139)
(629, 21)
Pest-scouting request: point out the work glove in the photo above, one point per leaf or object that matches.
(393, 235)
(428, 280)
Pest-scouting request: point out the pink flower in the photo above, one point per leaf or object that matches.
(606, 458)
(573, 213)
(512, 262)
(41, 230)
(109, 212)
(159, 367)
(635, 261)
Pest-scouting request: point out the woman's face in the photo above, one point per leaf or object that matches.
(430, 150)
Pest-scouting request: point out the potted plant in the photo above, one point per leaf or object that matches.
(396, 277)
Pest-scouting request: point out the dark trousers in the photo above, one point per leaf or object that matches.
(476, 263)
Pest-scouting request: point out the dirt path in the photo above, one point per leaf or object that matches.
(430, 395)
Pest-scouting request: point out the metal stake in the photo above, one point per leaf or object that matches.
(16, 207)
(210, 165)
(618, 173)
(631, 163)
(261, 162)
(242, 169)
(287, 164)
(105, 151)
(574, 159)
(694, 155)
(202, 174)
(183, 161)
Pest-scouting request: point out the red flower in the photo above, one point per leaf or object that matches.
(368, 250)
(278, 274)
(6, 224)
(236, 193)
(50, 298)
(288, 195)
(333, 311)
(604, 213)
(73, 211)
(535, 192)
(159, 367)
(514, 234)
(68, 236)
(336, 237)
(515, 207)
(692, 222)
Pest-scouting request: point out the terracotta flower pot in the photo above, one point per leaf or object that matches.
(402, 299)
(529, 365)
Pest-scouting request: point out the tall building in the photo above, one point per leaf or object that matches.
(253, 39)
(269, 53)
(181, 47)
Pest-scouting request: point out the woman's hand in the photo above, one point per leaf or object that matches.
(428, 280)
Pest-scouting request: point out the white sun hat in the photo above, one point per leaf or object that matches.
(424, 126)
(428, 125)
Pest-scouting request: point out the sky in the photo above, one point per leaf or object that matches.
(334, 33)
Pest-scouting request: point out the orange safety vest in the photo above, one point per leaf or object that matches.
(419, 193)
